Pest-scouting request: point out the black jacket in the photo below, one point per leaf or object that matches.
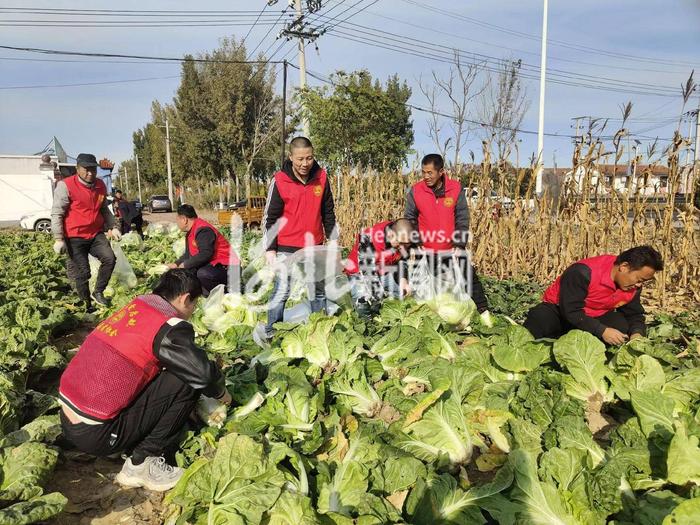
(206, 242)
(176, 350)
(573, 289)
(274, 207)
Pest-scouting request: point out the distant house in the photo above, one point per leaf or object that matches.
(647, 179)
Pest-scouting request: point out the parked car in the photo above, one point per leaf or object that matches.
(39, 221)
(159, 203)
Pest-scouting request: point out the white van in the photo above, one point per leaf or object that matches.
(26, 187)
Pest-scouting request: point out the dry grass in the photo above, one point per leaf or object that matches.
(539, 237)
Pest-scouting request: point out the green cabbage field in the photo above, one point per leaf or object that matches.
(426, 414)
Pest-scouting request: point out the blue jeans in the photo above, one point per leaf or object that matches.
(280, 293)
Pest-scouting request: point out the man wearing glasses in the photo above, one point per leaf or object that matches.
(599, 295)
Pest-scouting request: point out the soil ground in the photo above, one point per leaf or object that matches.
(95, 499)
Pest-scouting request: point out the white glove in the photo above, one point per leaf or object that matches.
(115, 234)
(59, 247)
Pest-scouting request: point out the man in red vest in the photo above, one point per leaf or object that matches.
(135, 380)
(599, 295)
(79, 216)
(439, 205)
(299, 213)
(207, 252)
(376, 263)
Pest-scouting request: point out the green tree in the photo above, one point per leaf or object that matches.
(149, 145)
(359, 122)
(225, 121)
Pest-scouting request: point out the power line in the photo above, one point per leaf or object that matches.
(254, 23)
(446, 50)
(267, 34)
(561, 43)
(82, 84)
(441, 56)
(326, 80)
(135, 57)
(537, 54)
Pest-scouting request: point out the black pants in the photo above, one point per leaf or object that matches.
(136, 221)
(211, 276)
(442, 262)
(546, 320)
(78, 265)
(150, 426)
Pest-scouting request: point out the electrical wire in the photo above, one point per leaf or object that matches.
(446, 50)
(326, 80)
(561, 43)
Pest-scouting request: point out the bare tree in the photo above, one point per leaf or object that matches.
(503, 107)
(265, 129)
(459, 89)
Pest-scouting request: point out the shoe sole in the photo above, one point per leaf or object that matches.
(134, 483)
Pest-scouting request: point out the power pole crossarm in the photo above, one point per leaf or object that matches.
(296, 29)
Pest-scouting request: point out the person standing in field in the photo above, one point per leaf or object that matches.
(128, 213)
(299, 213)
(79, 216)
(208, 254)
(438, 204)
(600, 295)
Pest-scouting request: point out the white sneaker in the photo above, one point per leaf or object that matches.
(153, 474)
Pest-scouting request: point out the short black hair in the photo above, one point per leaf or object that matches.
(174, 283)
(299, 142)
(641, 256)
(187, 210)
(434, 159)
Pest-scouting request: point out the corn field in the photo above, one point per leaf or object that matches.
(537, 238)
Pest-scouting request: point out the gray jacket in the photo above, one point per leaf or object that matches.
(61, 203)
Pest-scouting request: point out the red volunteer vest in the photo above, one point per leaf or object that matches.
(603, 296)
(116, 361)
(222, 249)
(436, 216)
(83, 218)
(302, 210)
(384, 256)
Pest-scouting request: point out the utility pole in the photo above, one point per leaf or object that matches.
(302, 65)
(297, 29)
(283, 137)
(540, 130)
(126, 174)
(167, 160)
(138, 178)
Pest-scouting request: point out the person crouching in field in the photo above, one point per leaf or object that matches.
(135, 380)
(376, 263)
(600, 295)
(208, 254)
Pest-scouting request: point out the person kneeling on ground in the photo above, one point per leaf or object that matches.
(135, 380)
(207, 252)
(375, 266)
(599, 295)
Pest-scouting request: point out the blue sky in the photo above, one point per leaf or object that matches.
(659, 38)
